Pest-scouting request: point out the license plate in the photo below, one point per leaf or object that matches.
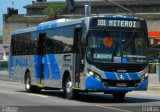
(121, 84)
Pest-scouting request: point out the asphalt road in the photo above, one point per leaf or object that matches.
(13, 98)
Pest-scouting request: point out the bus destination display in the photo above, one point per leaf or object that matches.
(118, 23)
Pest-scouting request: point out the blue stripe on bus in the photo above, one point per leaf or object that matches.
(37, 66)
(54, 67)
(109, 17)
(130, 17)
(45, 27)
(51, 68)
(93, 84)
(39, 28)
(119, 17)
(134, 76)
(143, 85)
(54, 25)
(46, 68)
(23, 31)
(121, 76)
(110, 76)
(11, 66)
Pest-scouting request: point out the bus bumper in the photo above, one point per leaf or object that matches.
(92, 84)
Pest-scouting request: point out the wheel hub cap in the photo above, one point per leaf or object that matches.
(69, 87)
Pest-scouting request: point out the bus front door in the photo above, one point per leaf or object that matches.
(41, 50)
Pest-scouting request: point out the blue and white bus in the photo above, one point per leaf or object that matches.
(93, 54)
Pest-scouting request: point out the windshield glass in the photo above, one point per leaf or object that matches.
(117, 46)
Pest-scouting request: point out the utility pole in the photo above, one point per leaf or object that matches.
(90, 3)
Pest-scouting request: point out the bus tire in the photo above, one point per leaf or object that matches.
(119, 96)
(69, 92)
(28, 87)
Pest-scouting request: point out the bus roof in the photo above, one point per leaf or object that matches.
(49, 24)
(64, 22)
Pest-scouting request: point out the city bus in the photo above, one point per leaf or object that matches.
(104, 53)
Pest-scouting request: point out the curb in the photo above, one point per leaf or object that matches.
(155, 88)
(4, 77)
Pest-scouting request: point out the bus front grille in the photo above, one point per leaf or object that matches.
(110, 83)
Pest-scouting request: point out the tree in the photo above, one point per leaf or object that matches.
(54, 10)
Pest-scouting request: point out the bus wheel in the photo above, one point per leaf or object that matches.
(119, 96)
(28, 87)
(69, 91)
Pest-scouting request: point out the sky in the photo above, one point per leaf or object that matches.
(16, 4)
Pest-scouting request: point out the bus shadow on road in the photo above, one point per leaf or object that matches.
(98, 98)
(107, 98)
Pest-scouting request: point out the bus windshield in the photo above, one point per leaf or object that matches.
(117, 46)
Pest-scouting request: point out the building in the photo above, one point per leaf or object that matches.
(147, 9)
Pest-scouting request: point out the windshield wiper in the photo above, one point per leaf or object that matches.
(125, 46)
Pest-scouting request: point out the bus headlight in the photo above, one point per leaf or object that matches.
(145, 76)
(95, 75)
(91, 73)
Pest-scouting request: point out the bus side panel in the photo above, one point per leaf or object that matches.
(54, 68)
(51, 71)
(18, 66)
(37, 66)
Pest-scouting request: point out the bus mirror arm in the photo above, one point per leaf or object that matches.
(82, 65)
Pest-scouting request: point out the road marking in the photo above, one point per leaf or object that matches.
(148, 94)
(113, 108)
(32, 94)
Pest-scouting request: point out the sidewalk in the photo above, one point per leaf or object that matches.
(4, 75)
(153, 83)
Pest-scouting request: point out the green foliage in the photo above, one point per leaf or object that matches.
(54, 9)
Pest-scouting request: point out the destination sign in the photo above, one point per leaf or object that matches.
(118, 23)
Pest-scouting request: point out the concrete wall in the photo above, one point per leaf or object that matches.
(12, 27)
(17, 22)
(153, 25)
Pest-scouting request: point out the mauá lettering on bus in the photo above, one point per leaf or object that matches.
(22, 62)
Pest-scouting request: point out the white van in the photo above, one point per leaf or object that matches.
(4, 55)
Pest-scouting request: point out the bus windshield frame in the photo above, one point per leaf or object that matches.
(118, 45)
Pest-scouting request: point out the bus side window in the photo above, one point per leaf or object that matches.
(41, 43)
(79, 48)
